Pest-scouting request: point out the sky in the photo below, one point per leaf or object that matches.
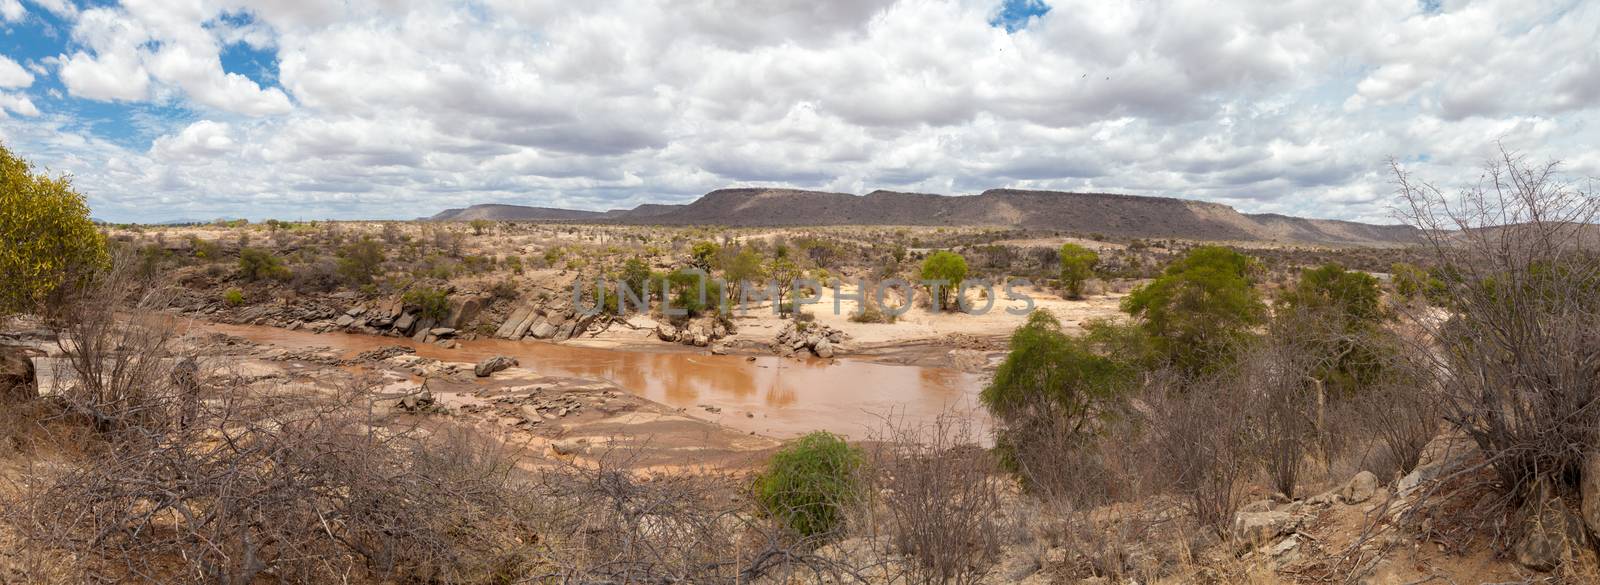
(396, 109)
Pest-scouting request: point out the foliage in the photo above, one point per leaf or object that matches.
(428, 302)
(1412, 282)
(258, 264)
(47, 240)
(808, 483)
(949, 267)
(704, 254)
(1200, 308)
(746, 266)
(479, 226)
(361, 260)
(1077, 267)
(233, 297)
(204, 249)
(1052, 386)
(1335, 314)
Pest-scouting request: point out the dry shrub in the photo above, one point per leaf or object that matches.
(1204, 441)
(1518, 365)
(612, 523)
(941, 499)
(194, 477)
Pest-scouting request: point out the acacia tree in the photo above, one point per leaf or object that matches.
(1200, 308)
(1077, 266)
(1336, 313)
(948, 267)
(47, 241)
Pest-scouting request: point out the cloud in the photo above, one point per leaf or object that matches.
(13, 75)
(382, 108)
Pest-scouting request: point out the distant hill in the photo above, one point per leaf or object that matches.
(497, 211)
(1105, 213)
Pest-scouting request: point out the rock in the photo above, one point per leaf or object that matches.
(558, 318)
(16, 375)
(666, 332)
(719, 348)
(1589, 488)
(528, 324)
(404, 323)
(1360, 488)
(355, 311)
(421, 335)
(511, 322)
(568, 447)
(344, 321)
(1254, 529)
(543, 331)
(565, 331)
(1551, 537)
(442, 331)
(462, 312)
(492, 365)
(824, 348)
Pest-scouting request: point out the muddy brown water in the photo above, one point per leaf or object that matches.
(767, 395)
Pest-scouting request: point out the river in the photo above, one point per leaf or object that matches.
(784, 397)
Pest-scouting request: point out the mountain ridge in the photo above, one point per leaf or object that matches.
(1105, 213)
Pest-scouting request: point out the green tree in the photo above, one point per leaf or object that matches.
(258, 264)
(48, 244)
(479, 226)
(1335, 316)
(1048, 369)
(949, 267)
(428, 302)
(1077, 267)
(1411, 283)
(810, 483)
(1200, 308)
(746, 266)
(361, 260)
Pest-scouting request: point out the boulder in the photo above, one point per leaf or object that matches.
(1360, 488)
(442, 331)
(565, 331)
(423, 327)
(492, 365)
(344, 321)
(462, 312)
(404, 323)
(544, 330)
(824, 348)
(558, 318)
(528, 322)
(511, 322)
(1255, 529)
(16, 375)
(1551, 536)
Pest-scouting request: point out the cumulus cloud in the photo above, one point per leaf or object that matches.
(378, 108)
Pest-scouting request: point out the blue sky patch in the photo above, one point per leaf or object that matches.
(1015, 15)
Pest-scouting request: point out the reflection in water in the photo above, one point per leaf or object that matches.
(787, 397)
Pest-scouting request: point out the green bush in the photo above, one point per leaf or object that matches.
(429, 303)
(258, 264)
(233, 297)
(1077, 267)
(809, 483)
(47, 241)
(360, 261)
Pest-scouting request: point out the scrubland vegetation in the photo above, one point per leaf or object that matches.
(1187, 440)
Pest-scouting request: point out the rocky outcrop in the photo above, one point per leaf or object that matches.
(699, 332)
(819, 340)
